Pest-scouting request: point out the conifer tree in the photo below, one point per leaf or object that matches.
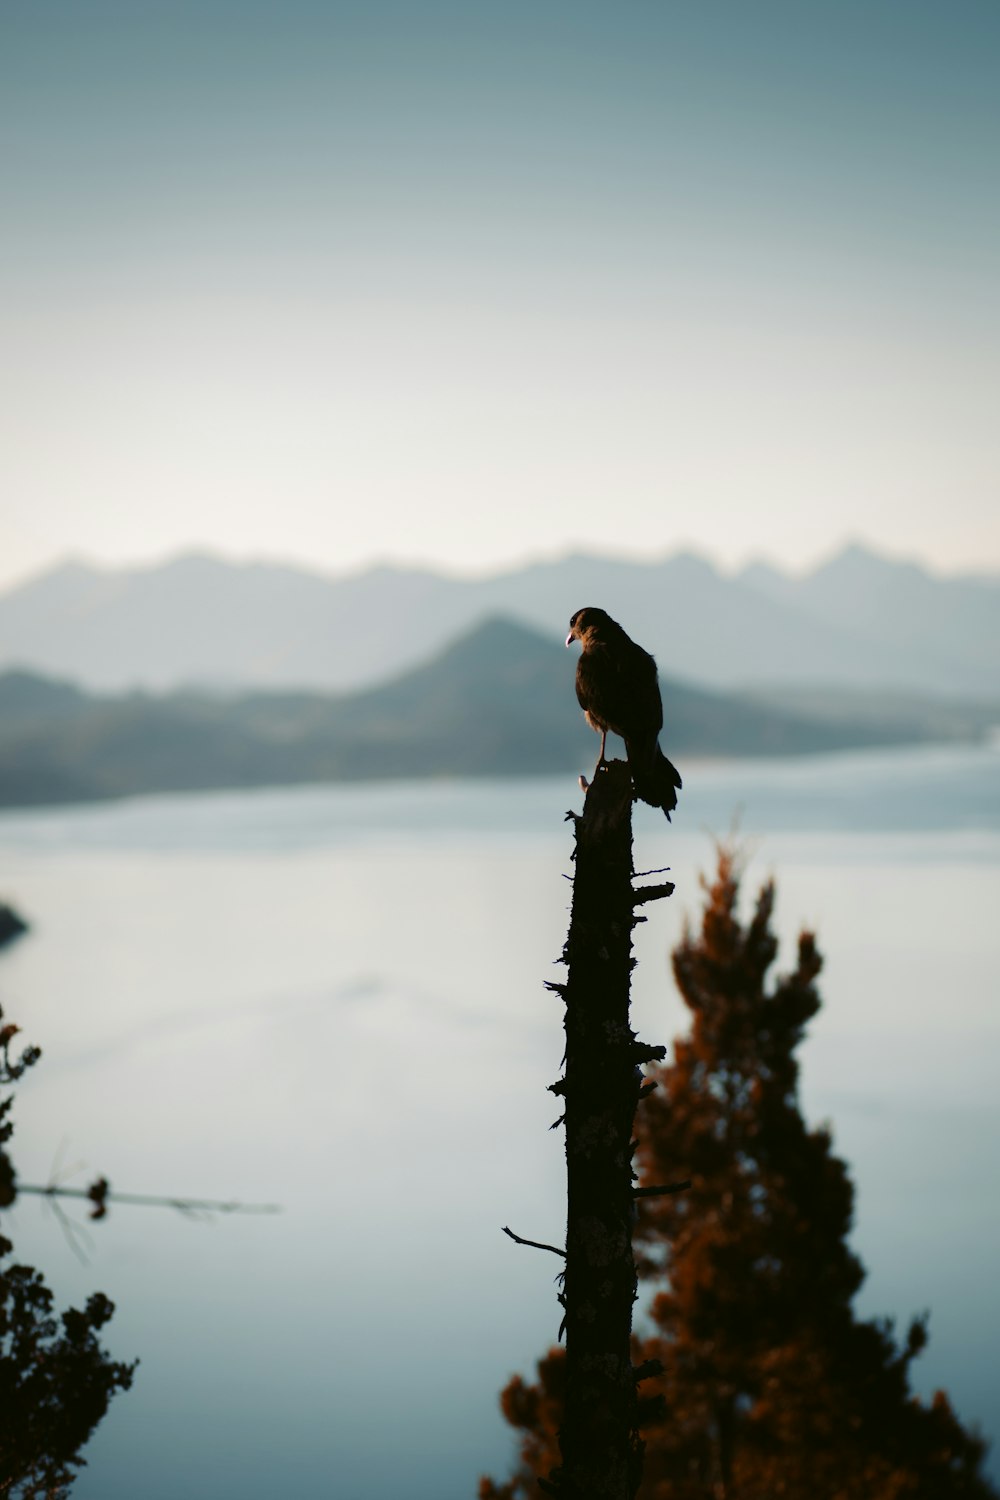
(772, 1388)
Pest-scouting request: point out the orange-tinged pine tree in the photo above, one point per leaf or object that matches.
(772, 1388)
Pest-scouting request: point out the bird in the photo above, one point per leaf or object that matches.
(617, 688)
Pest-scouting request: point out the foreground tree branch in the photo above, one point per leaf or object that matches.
(100, 1194)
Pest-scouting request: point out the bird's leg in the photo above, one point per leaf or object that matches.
(601, 757)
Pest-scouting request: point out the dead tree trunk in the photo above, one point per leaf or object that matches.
(599, 1442)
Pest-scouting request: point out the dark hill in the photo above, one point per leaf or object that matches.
(498, 701)
(26, 698)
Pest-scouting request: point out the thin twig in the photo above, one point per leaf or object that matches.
(535, 1244)
(652, 893)
(185, 1205)
(75, 1235)
(658, 1192)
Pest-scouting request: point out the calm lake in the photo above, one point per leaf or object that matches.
(332, 998)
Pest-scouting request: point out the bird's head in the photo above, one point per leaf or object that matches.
(588, 625)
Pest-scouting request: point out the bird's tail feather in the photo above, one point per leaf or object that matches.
(656, 780)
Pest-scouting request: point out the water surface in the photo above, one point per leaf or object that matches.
(333, 997)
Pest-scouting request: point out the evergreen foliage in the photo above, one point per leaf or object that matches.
(55, 1379)
(772, 1388)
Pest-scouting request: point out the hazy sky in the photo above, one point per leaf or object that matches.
(468, 282)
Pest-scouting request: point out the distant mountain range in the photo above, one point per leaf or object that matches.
(498, 701)
(860, 621)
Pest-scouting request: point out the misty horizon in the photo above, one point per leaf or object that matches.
(195, 552)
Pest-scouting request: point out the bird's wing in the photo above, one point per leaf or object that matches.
(647, 707)
(618, 688)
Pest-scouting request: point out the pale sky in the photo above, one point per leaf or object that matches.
(464, 283)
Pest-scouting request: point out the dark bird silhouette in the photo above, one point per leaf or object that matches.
(619, 694)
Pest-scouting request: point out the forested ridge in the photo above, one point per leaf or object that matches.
(461, 714)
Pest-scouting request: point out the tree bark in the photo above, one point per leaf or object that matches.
(600, 1447)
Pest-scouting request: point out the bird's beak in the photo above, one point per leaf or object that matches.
(569, 639)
